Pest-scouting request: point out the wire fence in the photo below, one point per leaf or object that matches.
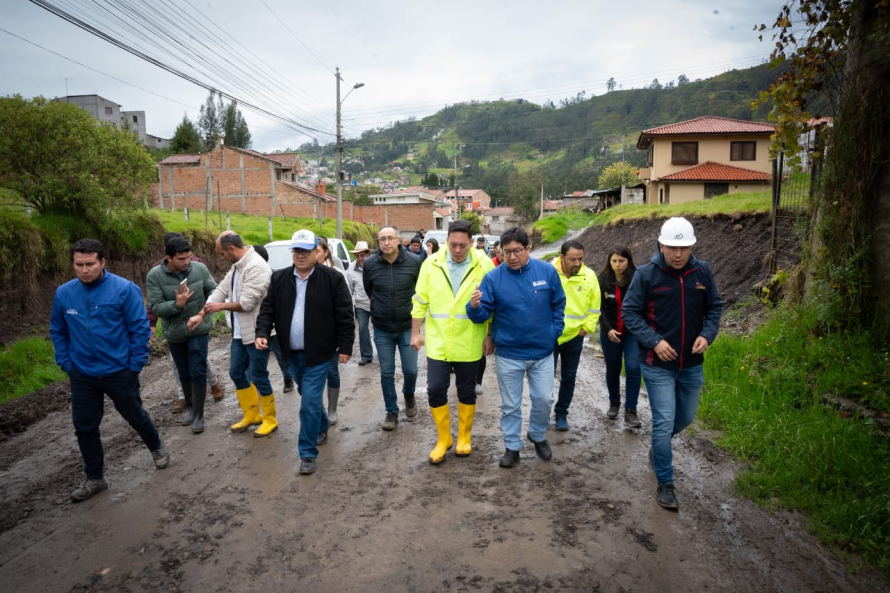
(792, 191)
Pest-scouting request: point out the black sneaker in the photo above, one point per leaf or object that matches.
(88, 489)
(631, 420)
(288, 385)
(410, 406)
(364, 361)
(613, 411)
(307, 466)
(666, 496)
(391, 422)
(322, 438)
(542, 448)
(161, 457)
(510, 458)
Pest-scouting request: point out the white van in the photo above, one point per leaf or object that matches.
(280, 257)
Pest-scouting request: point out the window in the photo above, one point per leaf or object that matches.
(109, 111)
(278, 175)
(135, 119)
(684, 153)
(743, 151)
(649, 154)
(715, 189)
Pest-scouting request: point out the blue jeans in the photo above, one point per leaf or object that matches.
(364, 334)
(571, 357)
(88, 406)
(190, 358)
(386, 343)
(612, 354)
(275, 347)
(245, 358)
(673, 397)
(511, 373)
(313, 418)
(333, 375)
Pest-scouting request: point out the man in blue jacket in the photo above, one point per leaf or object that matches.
(527, 300)
(673, 308)
(100, 332)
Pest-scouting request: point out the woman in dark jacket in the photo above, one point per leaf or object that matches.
(616, 341)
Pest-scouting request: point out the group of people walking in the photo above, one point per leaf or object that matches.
(458, 303)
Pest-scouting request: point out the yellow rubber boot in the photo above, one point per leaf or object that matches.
(465, 416)
(442, 417)
(249, 400)
(270, 423)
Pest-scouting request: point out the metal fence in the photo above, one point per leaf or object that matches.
(792, 191)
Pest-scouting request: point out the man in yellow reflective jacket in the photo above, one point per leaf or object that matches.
(447, 281)
(582, 312)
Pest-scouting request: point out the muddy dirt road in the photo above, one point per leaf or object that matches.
(231, 513)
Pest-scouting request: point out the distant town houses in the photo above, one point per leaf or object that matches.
(109, 112)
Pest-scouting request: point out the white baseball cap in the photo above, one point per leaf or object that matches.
(303, 239)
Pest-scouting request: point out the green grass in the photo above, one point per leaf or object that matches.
(555, 226)
(25, 366)
(728, 204)
(766, 394)
(255, 229)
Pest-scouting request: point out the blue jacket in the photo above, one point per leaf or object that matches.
(100, 328)
(528, 306)
(675, 305)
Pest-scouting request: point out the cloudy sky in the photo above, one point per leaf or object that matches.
(413, 57)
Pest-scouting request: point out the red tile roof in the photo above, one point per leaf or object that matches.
(712, 124)
(503, 210)
(712, 172)
(181, 159)
(464, 193)
(309, 190)
(288, 159)
(709, 124)
(444, 212)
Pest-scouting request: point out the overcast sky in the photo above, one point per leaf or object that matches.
(413, 57)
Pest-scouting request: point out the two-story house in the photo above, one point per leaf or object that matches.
(705, 157)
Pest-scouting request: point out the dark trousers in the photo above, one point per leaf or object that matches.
(190, 358)
(88, 406)
(571, 355)
(480, 371)
(438, 379)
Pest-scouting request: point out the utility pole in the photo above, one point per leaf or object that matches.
(66, 88)
(339, 165)
(456, 193)
(542, 201)
(623, 166)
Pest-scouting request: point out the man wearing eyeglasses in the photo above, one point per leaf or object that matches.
(389, 279)
(310, 307)
(527, 300)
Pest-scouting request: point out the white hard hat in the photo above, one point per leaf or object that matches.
(677, 232)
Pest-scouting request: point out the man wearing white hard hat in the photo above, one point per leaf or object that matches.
(673, 308)
(354, 276)
(310, 308)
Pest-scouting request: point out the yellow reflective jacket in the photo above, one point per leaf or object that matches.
(450, 335)
(582, 301)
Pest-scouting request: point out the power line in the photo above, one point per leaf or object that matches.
(294, 35)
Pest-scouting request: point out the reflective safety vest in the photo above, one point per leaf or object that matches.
(450, 335)
(582, 301)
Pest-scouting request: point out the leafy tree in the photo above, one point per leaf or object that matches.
(616, 173)
(655, 84)
(682, 80)
(524, 194)
(186, 138)
(610, 84)
(234, 128)
(58, 159)
(210, 121)
(474, 219)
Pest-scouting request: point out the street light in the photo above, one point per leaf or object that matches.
(357, 85)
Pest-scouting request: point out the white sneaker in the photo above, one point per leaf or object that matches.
(478, 389)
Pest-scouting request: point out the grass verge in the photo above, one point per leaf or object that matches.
(25, 366)
(742, 203)
(766, 393)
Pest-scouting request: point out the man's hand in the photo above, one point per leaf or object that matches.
(476, 298)
(194, 321)
(183, 297)
(344, 358)
(487, 346)
(261, 343)
(665, 352)
(417, 341)
(614, 336)
(214, 307)
(700, 345)
(582, 332)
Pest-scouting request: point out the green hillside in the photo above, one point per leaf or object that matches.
(568, 145)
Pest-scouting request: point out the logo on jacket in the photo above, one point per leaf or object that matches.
(580, 289)
(71, 312)
(700, 286)
(537, 283)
